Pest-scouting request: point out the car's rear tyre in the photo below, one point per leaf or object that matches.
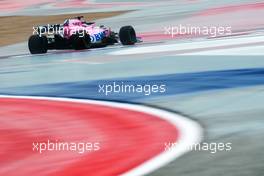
(80, 42)
(37, 44)
(127, 35)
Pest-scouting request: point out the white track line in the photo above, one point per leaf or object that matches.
(194, 45)
(242, 51)
(189, 130)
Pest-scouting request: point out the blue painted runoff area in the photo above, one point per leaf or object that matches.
(137, 88)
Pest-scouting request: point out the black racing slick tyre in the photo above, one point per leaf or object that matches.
(127, 35)
(37, 44)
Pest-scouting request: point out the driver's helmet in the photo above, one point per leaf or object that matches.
(80, 18)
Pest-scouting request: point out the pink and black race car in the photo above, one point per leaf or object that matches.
(78, 34)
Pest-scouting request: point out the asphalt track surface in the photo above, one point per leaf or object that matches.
(217, 82)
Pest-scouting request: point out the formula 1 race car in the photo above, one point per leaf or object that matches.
(78, 34)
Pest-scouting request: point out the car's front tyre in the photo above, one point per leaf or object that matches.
(127, 35)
